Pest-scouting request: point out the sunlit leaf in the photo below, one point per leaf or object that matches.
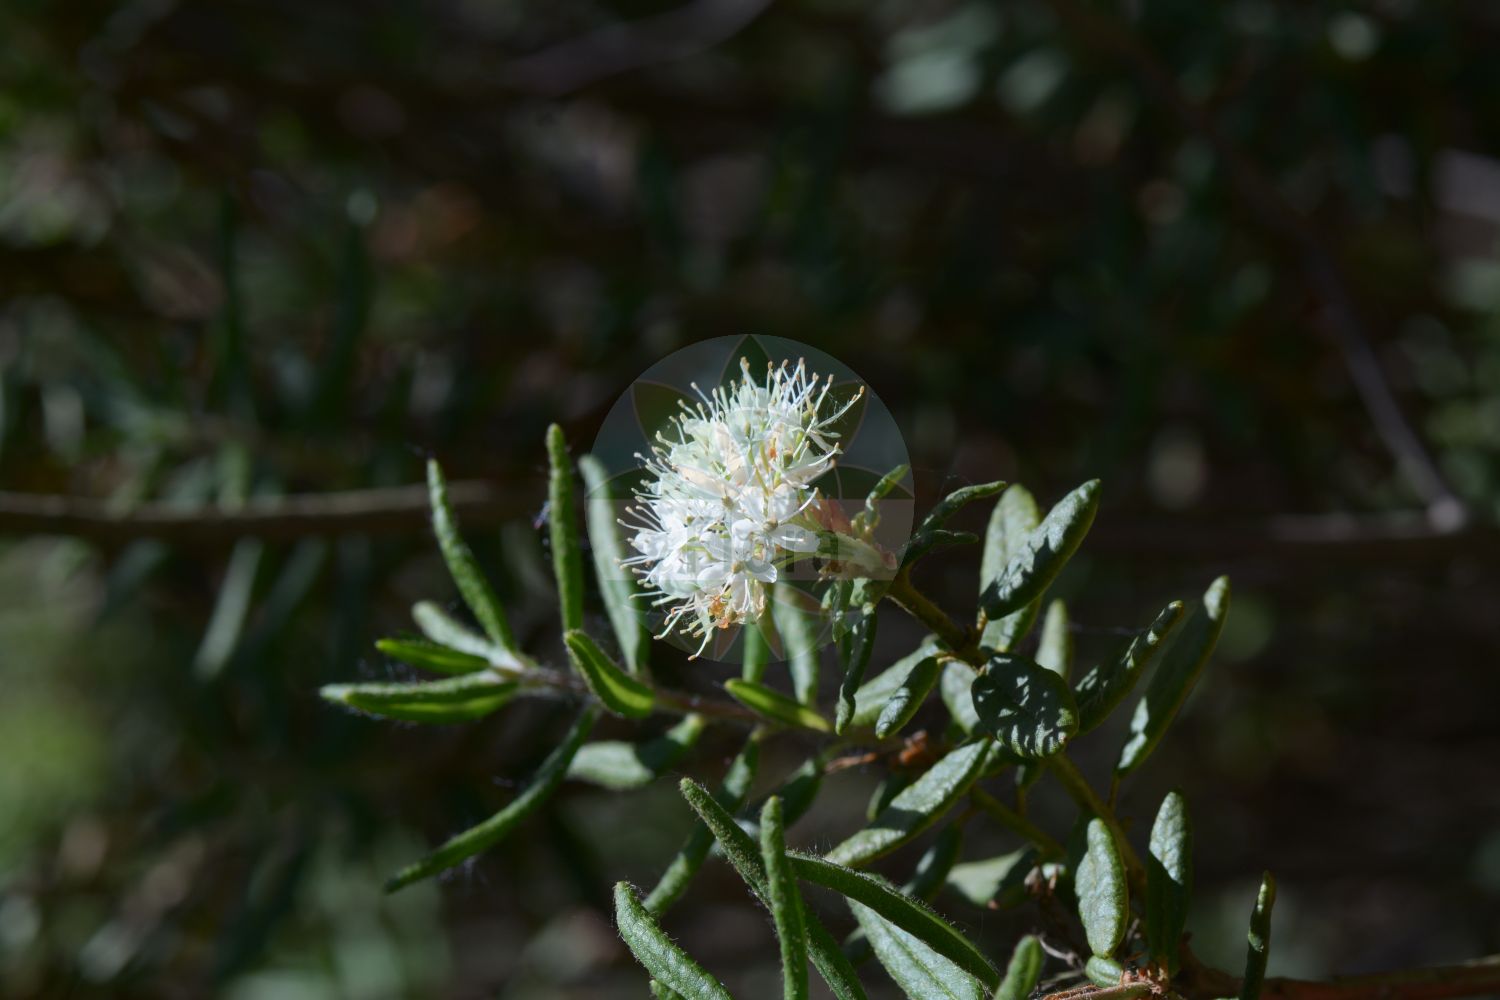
(464, 568)
(667, 963)
(1103, 894)
(562, 524)
(908, 698)
(1106, 685)
(774, 705)
(1258, 949)
(431, 656)
(1169, 879)
(1023, 972)
(617, 585)
(785, 900)
(1028, 708)
(920, 971)
(1042, 556)
(615, 689)
(730, 796)
(618, 765)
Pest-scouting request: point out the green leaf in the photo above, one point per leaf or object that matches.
(867, 519)
(1055, 649)
(743, 854)
(908, 698)
(562, 525)
(1103, 972)
(921, 972)
(731, 795)
(621, 766)
(956, 689)
(457, 699)
(617, 585)
(870, 699)
(494, 829)
(994, 879)
(774, 705)
(1042, 556)
(1012, 521)
(1259, 939)
(917, 806)
(1103, 895)
(617, 690)
(786, 902)
(660, 992)
(908, 914)
(445, 630)
(1024, 971)
(1174, 679)
(755, 653)
(1028, 708)
(1107, 684)
(854, 650)
(933, 868)
(796, 624)
(668, 964)
(463, 567)
(957, 500)
(1169, 880)
(800, 788)
(431, 656)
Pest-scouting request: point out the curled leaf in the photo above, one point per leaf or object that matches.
(615, 689)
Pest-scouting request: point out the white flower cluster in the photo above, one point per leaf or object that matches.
(731, 499)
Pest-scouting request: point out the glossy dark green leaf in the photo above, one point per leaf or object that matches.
(1169, 880)
(730, 796)
(615, 689)
(1103, 894)
(562, 525)
(620, 766)
(1044, 553)
(908, 914)
(919, 970)
(957, 690)
(1258, 950)
(1174, 679)
(999, 879)
(472, 585)
(1027, 708)
(668, 964)
(908, 698)
(1023, 972)
(457, 699)
(917, 806)
(1012, 521)
(492, 830)
(795, 617)
(1106, 685)
(1055, 648)
(854, 652)
(785, 900)
(431, 656)
(956, 501)
(870, 699)
(617, 584)
(775, 706)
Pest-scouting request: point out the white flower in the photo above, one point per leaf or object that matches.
(731, 497)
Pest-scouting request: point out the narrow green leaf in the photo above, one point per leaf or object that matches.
(431, 656)
(740, 849)
(1173, 681)
(867, 519)
(893, 784)
(1169, 880)
(617, 690)
(786, 902)
(854, 650)
(774, 705)
(621, 766)
(730, 795)
(957, 500)
(1106, 685)
(800, 788)
(668, 964)
(562, 526)
(935, 538)
(1024, 971)
(1104, 972)
(870, 698)
(908, 914)
(1028, 708)
(445, 630)
(1055, 650)
(660, 992)
(933, 868)
(921, 972)
(755, 653)
(476, 590)
(1103, 894)
(799, 639)
(492, 830)
(999, 879)
(1046, 550)
(617, 584)
(956, 689)
(1012, 521)
(917, 806)
(908, 698)
(457, 699)
(1258, 950)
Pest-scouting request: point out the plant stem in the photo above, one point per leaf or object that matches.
(916, 604)
(1077, 786)
(1009, 818)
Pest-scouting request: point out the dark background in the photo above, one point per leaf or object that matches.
(1238, 260)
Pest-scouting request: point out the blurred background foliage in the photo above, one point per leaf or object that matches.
(1239, 260)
